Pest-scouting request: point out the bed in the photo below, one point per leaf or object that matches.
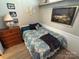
(38, 48)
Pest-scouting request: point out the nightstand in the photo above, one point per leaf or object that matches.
(10, 37)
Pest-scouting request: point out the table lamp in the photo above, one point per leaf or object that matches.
(9, 21)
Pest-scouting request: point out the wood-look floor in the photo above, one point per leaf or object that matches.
(21, 52)
(16, 52)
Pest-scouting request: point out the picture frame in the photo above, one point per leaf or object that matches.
(13, 13)
(64, 15)
(10, 5)
(15, 20)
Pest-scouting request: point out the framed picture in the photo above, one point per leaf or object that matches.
(10, 6)
(15, 20)
(13, 13)
(64, 15)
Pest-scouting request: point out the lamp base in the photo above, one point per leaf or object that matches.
(10, 24)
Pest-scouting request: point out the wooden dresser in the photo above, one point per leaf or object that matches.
(10, 37)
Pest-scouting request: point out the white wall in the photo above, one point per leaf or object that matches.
(21, 9)
(46, 12)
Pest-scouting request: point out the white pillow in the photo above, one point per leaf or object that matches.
(37, 27)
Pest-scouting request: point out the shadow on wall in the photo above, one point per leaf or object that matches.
(2, 23)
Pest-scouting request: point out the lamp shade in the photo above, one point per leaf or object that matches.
(8, 18)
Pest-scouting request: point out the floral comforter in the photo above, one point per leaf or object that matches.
(38, 48)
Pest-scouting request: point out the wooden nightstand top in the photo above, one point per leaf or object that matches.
(9, 28)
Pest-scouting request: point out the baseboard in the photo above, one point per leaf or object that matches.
(72, 40)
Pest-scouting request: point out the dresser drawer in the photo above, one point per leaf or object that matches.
(9, 34)
(13, 41)
(12, 44)
(11, 38)
(10, 31)
(7, 31)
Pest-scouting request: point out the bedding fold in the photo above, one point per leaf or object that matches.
(52, 42)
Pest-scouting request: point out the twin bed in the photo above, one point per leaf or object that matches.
(41, 42)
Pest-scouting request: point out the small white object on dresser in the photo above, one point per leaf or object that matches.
(1, 49)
